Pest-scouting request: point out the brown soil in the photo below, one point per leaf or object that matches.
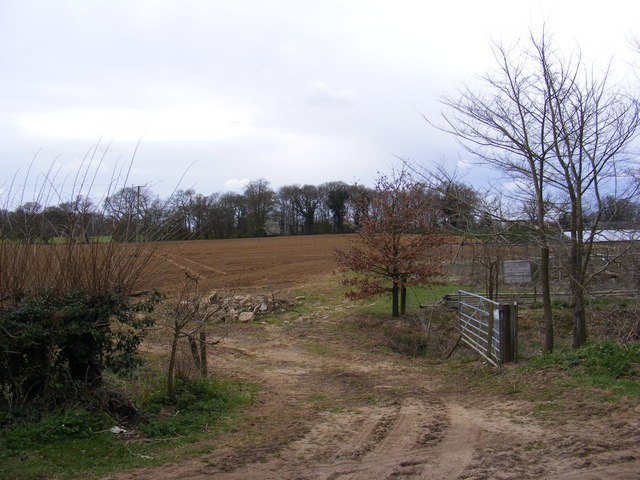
(334, 405)
(251, 263)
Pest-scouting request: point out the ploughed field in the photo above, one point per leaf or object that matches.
(259, 263)
(251, 263)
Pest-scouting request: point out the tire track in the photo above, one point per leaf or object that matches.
(400, 451)
(347, 460)
(363, 441)
(455, 452)
(395, 444)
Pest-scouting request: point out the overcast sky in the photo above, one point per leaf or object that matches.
(293, 91)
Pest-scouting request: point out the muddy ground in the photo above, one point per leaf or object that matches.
(334, 406)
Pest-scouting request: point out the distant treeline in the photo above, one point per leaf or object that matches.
(137, 213)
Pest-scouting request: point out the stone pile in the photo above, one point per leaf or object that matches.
(242, 308)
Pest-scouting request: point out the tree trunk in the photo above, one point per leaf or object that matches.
(576, 269)
(171, 390)
(309, 223)
(577, 295)
(403, 300)
(195, 353)
(545, 274)
(395, 311)
(492, 279)
(579, 318)
(546, 299)
(203, 352)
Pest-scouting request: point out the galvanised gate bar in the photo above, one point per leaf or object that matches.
(489, 327)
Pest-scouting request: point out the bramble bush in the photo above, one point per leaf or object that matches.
(55, 346)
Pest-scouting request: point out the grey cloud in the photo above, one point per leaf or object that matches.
(321, 94)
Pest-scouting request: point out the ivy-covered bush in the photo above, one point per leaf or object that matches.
(55, 346)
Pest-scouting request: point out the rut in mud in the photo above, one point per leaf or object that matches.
(333, 409)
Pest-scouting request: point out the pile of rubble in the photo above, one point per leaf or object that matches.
(243, 308)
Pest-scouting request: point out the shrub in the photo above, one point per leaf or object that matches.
(66, 314)
(54, 346)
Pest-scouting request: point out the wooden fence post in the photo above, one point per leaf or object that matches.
(514, 332)
(508, 332)
(490, 328)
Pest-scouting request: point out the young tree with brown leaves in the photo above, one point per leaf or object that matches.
(394, 246)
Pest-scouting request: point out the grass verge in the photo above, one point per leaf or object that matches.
(591, 380)
(608, 366)
(77, 444)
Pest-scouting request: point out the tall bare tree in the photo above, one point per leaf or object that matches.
(506, 124)
(336, 199)
(287, 214)
(131, 210)
(305, 202)
(549, 122)
(592, 125)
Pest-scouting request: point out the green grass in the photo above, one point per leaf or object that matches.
(198, 405)
(596, 378)
(320, 299)
(319, 349)
(98, 239)
(76, 444)
(58, 240)
(321, 403)
(594, 360)
(602, 365)
(329, 293)
(381, 306)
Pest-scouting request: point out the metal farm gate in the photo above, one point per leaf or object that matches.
(489, 327)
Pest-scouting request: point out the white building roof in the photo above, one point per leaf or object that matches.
(626, 235)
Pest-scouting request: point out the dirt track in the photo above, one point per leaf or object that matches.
(334, 406)
(331, 410)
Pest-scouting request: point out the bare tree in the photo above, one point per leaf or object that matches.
(336, 200)
(458, 203)
(131, 210)
(592, 126)
(181, 211)
(551, 123)
(506, 124)
(305, 202)
(619, 212)
(233, 211)
(287, 215)
(260, 200)
(189, 320)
